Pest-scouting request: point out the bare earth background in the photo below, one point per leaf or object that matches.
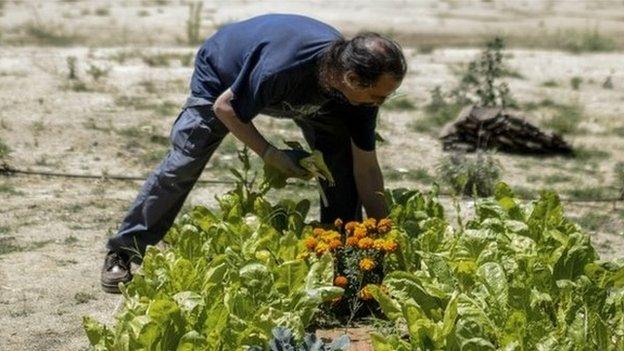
(133, 63)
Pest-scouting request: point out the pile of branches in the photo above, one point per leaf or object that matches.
(501, 129)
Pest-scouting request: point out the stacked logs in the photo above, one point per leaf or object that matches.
(501, 129)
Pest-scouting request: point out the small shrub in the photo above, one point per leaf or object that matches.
(4, 150)
(575, 82)
(102, 11)
(193, 23)
(479, 84)
(608, 83)
(97, 72)
(550, 84)
(470, 176)
(71, 67)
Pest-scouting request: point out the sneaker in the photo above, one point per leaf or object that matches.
(116, 270)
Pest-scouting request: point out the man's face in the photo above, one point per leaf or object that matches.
(374, 95)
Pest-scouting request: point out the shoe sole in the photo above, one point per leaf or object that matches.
(110, 288)
(113, 288)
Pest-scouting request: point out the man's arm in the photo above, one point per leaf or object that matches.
(369, 182)
(245, 132)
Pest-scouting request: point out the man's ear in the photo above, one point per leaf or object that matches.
(352, 80)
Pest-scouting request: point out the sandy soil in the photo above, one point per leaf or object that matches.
(52, 230)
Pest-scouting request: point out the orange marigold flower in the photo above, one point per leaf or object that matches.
(335, 244)
(338, 223)
(331, 235)
(350, 226)
(360, 232)
(321, 248)
(365, 293)
(366, 243)
(352, 241)
(370, 223)
(318, 231)
(366, 264)
(390, 246)
(379, 244)
(384, 225)
(341, 281)
(310, 243)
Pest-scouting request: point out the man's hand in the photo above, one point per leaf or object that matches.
(369, 182)
(283, 162)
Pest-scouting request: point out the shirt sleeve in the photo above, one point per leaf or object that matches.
(361, 122)
(252, 88)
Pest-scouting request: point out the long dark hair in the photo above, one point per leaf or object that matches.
(368, 54)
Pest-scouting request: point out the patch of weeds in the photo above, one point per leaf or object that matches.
(586, 41)
(422, 175)
(74, 208)
(143, 13)
(156, 60)
(593, 221)
(6, 188)
(83, 297)
(511, 73)
(167, 109)
(164, 59)
(556, 178)
(549, 84)
(51, 35)
(582, 153)
(589, 193)
(437, 113)
(102, 11)
(7, 245)
(162, 108)
(4, 149)
(193, 23)
(149, 86)
(470, 176)
(399, 103)
(566, 119)
(575, 82)
(97, 72)
(70, 240)
(151, 157)
(544, 103)
(142, 135)
(4, 230)
(608, 83)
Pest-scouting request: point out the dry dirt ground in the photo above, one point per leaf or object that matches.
(132, 66)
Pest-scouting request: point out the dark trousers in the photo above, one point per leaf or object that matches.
(195, 136)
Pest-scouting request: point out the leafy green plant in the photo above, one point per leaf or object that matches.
(470, 175)
(516, 278)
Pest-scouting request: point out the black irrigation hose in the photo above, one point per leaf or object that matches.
(6, 170)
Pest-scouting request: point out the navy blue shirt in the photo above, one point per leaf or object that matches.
(271, 64)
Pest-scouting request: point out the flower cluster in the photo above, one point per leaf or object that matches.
(323, 240)
(359, 249)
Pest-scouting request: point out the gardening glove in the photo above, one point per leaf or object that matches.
(286, 162)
